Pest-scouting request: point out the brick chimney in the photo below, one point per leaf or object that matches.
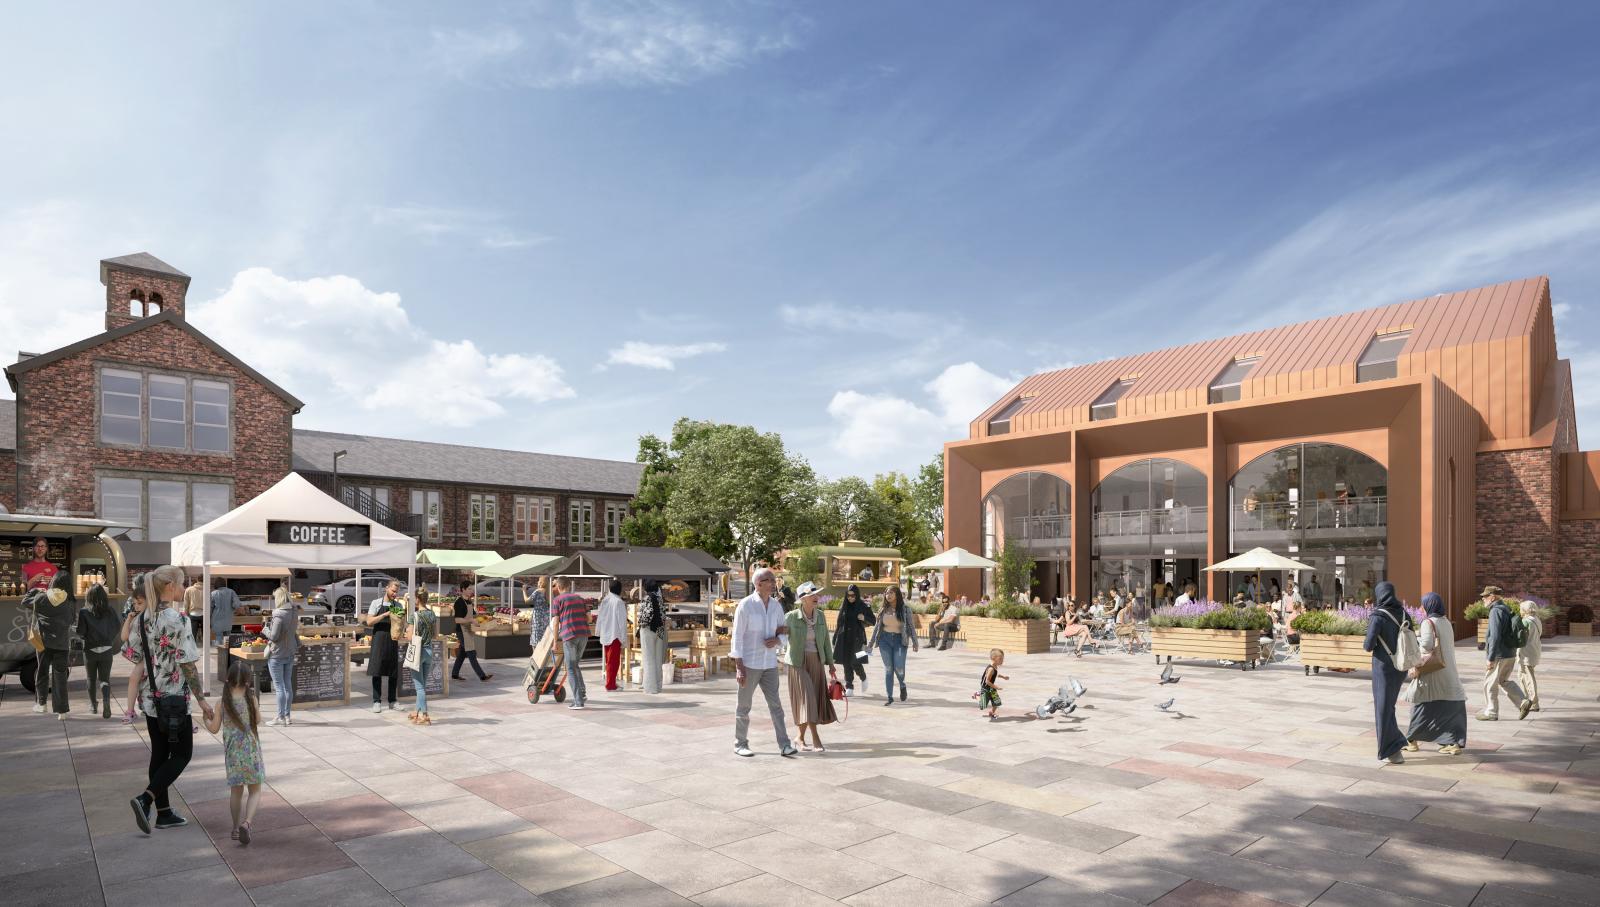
(139, 286)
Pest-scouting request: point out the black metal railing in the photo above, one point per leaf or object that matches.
(360, 501)
(1367, 512)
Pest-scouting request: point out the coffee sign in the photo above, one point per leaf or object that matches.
(292, 532)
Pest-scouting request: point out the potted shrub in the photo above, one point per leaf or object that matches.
(1580, 620)
(1210, 631)
(1006, 623)
(1334, 639)
(1479, 611)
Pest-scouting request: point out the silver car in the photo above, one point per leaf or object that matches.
(341, 598)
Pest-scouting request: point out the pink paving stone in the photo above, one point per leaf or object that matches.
(120, 757)
(511, 790)
(283, 854)
(1542, 771)
(582, 822)
(359, 816)
(216, 816)
(1195, 893)
(1191, 773)
(1231, 753)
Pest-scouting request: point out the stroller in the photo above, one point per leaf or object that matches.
(545, 676)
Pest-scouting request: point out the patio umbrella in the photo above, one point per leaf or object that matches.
(951, 559)
(1256, 560)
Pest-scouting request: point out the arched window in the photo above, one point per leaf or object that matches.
(1035, 509)
(1322, 504)
(1149, 526)
(137, 308)
(155, 303)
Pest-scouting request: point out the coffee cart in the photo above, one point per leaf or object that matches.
(82, 548)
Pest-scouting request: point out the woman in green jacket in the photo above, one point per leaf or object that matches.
(810, 649)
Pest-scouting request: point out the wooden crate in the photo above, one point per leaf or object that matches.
(1319, 650)
(1242, 646)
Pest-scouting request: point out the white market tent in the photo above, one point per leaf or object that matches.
(291, 525)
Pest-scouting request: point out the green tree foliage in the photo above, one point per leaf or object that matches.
(647, 523)
(1014, 577)
(850, 508)
(807, 567)
(740, 493)
(909, 531)
(927, 496)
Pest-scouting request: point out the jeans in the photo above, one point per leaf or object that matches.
(652, 654)
(571, 652)
(767, 680)
(282, 672)
(168, 758)
(98, 665)
(420, 678)
(892, 649)
(51, 678)
(949, 632)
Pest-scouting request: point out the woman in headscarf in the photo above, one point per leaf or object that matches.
(1438, 703)
(1383, 637)
(652, 623)
(850, 636)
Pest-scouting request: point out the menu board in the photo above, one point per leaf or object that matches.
(408, 686)
(320, 672)
(16, 550)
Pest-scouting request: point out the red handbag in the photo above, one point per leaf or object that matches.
(836, 693)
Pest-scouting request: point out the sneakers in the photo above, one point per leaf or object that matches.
(849, 692)
(743, 751)
(38, 708)
(170, 819)
(1397, 759)
(575, 705)
(888, 702)
(276, 722)
(486, 678)
(377, 708)
(141, 813)
(287, 721)
(391, 706)
(1485, 716)
(1450, 749)
(789, 751)
(1524, 709)
(902, 692)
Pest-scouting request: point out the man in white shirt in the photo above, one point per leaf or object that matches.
(757, 625)
(948, 620)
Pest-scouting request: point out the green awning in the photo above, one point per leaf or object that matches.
(451, 559)
(522, 564)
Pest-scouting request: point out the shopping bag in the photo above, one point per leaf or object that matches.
(413, 660)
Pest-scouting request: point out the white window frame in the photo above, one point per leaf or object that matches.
(580, 515)
(615, 512)
(483, 524)
(426, 503)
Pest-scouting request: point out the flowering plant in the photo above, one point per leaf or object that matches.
(1204, 614)
(1351, 620)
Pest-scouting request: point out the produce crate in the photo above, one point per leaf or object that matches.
(689, 675)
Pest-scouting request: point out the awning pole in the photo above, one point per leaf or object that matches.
(205, 625)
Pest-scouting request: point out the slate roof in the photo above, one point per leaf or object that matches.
(144, 261)
(8, 425)
(395, 458)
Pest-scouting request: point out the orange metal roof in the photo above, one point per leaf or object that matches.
(1296, 358)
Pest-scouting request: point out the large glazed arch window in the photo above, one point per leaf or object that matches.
(1035, 509)
(1149, 527)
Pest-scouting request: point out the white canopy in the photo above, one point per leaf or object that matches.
(240, 535)
(951, 559)
(1257, 559)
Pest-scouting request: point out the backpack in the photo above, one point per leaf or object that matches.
(1407, 652)
(1519, 632)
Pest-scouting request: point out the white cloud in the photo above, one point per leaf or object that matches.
(832, 317)
(965, 390)
(49, 295)
(433, 224)
(897, 432)
(659, 355)
(649, 42)
(353, 354)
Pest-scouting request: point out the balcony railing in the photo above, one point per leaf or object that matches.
(1176, 521)
(365, 504)
(1370, 512)
(1053, 528)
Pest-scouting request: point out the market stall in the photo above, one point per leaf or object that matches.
(294, 525)
(504, 633)
(82, 548)
(442, 559)
(686, 591)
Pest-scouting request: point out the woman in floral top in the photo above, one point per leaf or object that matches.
(160, 638)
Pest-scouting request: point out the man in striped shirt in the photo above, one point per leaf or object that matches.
(570, 613)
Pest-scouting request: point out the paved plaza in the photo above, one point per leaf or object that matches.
(1255, 788)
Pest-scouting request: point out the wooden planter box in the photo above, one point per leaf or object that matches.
(1584, 630)
(1242, 646)
(1319, 651)
(984, 633)
(1483, 632)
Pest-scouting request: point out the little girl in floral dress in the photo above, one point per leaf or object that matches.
(241, 746)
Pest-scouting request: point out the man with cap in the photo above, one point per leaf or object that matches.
(758, 625)
(1501, 649)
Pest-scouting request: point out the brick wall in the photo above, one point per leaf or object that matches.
(167, 294)
(8, 479)
(58, 444)
(1579, 561)
(1517, 532)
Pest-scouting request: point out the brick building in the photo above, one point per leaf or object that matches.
(156, 425)
(1432, 443)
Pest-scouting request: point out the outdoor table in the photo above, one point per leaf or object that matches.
(321, 670)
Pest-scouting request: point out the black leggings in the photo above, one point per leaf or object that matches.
(466, 653)
(98, 664)
(168, 758)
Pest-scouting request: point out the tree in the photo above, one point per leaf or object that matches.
(851, 508)
(1014, 577)
(647, 523)
(740, 493)
(908, 531)
(927, 495)
(807, 567)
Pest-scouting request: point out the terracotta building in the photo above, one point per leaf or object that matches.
(1431, 443)
(155, 425)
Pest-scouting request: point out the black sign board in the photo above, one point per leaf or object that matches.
(294, 532)
(408, 684)
(319, 673)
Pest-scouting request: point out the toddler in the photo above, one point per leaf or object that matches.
(988, 694)
(241, 746)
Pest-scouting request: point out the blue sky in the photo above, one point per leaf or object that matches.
(555, 226)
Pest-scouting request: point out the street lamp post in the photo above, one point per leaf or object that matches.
(337, 455)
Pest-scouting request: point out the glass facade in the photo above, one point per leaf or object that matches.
(1322, 504)
(1149, 526)
(1034, 508)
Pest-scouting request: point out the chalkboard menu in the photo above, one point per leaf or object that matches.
(408, 686)
(320, 673)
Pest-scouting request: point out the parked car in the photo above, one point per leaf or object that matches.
(342, 594)
(494, 588)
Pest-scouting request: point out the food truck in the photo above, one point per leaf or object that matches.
(33, 549)
(872, 570)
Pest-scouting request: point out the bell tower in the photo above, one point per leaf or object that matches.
(139, 286)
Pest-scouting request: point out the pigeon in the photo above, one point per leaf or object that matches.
(1163, 706)
(1078, 689)
(1166, 675)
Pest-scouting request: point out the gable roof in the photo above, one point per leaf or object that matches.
(8, 425)
(170, 316)
(1319, 353)
(143, 261)
(428, 461)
